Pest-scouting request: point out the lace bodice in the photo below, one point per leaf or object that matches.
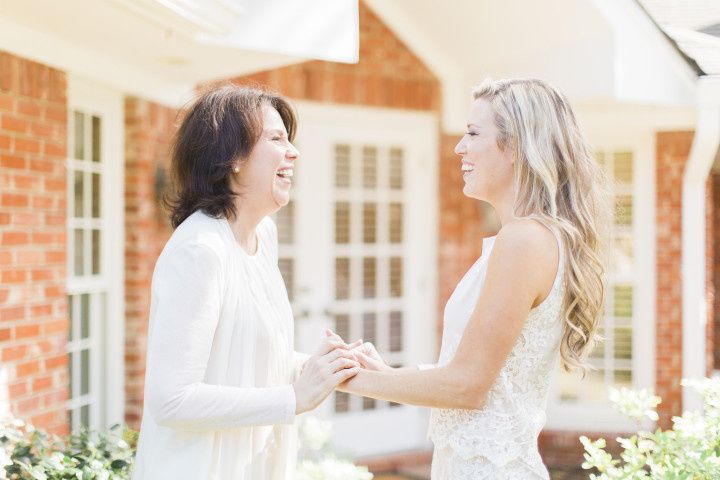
(499, 440)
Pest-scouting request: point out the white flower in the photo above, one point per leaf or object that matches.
(314, 433)
(331, 468)
(636, 404)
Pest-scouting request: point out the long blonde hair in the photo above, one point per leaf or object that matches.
(558, 182)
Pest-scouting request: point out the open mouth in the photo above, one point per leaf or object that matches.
(466, 167)
(285, 173)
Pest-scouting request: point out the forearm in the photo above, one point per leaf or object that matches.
(205, 407)
(441, 387)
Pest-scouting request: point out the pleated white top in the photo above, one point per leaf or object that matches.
(219, 404)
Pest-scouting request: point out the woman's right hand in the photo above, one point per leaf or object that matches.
(332, 365)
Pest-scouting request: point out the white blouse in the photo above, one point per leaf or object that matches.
(219, 403)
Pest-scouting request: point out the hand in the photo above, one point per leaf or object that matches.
(369, 358)
(333, 364)
(365, 353)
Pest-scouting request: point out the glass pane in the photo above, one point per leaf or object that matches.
(396, 168)
(84, 372)
(78, 194)
(342, 165)
(342, 278)
(96, 139)
(369, 222)
(623, 300)
(79, 135)
(85, 416)
(71, 419)
(623, 167)
(396, 331)
(623, 210)
(70, 375)
(287, 270)
(623, 378)
(369, 403)
(95, 195)
(623, 342)
(396, 277)
(286, 224)
(342, 402)
(396, 223)
(369, 327)
(342, 222)
(342, 326)
(96, 252)
(85, 315)
(369, 277)
(79, 252)
(369, 167)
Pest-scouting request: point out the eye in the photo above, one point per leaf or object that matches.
(472, 134)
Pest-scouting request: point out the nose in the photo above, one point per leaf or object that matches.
(460, 147)
(293, 152)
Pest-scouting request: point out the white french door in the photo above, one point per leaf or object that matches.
(361, 255)
(95, 255)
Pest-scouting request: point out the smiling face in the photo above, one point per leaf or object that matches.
(265, 177)
(487, 169)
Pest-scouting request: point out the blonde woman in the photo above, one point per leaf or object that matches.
(533, 297)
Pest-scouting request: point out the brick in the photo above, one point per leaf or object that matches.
(13, 124)
(11, 353)
(27, 146)
(25, 331)
(28, 368)
(12, 161)
(29, 109)
(9, 314)
(16, 275)
(10, 200)
(14, 238)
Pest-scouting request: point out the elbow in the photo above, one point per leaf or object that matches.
(165, 408)
(472, 396)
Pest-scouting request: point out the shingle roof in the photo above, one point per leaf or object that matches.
(694, 26)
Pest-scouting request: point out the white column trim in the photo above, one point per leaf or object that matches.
(694, 302)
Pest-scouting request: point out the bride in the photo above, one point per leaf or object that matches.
(535, 294)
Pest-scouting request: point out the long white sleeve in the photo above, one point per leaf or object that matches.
(187, 296)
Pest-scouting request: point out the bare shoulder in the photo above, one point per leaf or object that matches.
(528, 234)
(526, 245)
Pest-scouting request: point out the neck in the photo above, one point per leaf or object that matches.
(244, 225)
(504, 209)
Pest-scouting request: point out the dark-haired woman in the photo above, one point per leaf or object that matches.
(223, 383)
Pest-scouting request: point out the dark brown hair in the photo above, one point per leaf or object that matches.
(220, 127)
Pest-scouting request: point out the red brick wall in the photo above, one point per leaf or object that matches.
(33, 310)
(148, 132)
(672, 150)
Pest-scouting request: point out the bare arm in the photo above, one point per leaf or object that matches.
(520, 274)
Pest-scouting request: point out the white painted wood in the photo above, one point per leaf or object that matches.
(694, 306)
(386, 429)
(601, 417)
(107, 343)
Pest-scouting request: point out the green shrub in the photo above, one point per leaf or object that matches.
(28, 453)
(688, 451)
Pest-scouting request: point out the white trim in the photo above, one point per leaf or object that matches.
(694, 305)
(387, 428)
(608, 137)
(95, 99)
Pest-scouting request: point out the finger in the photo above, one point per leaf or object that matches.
(342, 363)
(330, 345)
(355, 344)
(338, 353)
(342, 375)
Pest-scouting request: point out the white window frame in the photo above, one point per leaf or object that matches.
(603, 418)
(416, 133)
(108, 374)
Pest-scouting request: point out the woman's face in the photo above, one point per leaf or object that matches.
(265, 177)
(487, 170)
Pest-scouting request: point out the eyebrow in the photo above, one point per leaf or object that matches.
(472, 125)
(276, 130)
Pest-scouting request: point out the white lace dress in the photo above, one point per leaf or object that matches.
(499, 441)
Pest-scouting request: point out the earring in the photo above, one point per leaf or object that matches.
(236, 169)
